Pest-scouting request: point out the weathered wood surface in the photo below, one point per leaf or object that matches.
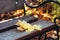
(8, 5)
(14, 34)
(9, 24)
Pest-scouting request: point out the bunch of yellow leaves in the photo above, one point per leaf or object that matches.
(24, 26)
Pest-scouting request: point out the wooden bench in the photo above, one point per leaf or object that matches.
(13, 34)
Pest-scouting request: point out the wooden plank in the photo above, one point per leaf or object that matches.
(9, 24)
(14, 34)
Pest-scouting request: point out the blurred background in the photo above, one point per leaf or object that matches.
(47, 12)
